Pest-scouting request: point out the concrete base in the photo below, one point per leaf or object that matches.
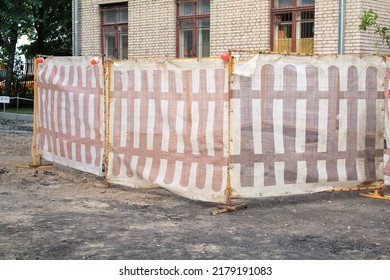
(16, 117)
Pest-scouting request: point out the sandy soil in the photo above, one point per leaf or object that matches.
(61, 213)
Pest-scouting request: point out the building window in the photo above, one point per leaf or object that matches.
(193, 28)
(114, 20)
(292, 27)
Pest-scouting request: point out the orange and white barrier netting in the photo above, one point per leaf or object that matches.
(292, 124)
(304, 124)
(69, 116)
(168, 122)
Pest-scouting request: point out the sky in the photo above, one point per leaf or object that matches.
(22, 41)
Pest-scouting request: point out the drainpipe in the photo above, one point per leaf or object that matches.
(76, 28)
(341, 26)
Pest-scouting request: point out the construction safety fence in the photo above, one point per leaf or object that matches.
(212, 130)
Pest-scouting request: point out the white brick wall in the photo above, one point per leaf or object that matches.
(368, 39)
(352, 42)
(326, 26)
(234, 24)
(89, 27)
(152, 28)
(356, 42)
(243, 24)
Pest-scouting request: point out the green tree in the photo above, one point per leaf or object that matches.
(14, 18)
(369, 22)
(48, 24)
(52, 28)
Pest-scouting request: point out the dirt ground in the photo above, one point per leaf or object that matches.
(61, 213)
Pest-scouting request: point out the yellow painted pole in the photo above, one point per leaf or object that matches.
(229, 207)
(107, 117)
(35, 154)
(35, 112)
(104, 113)
(386, 93)
(229, 183)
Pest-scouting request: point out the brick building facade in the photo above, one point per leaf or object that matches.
(154, 27)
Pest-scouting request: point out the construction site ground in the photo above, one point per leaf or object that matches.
(62, 214)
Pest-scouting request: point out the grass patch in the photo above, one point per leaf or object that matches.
(29, 111)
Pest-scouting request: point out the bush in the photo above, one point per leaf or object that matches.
(369, 20)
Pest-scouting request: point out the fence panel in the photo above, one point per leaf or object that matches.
(168, 126)
(306, 124)
(387, 128)
(295, 124)
(69, 115)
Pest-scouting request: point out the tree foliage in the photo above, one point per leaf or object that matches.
(369, 22)
(52, 28)
(14, 19)
(47, 23)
